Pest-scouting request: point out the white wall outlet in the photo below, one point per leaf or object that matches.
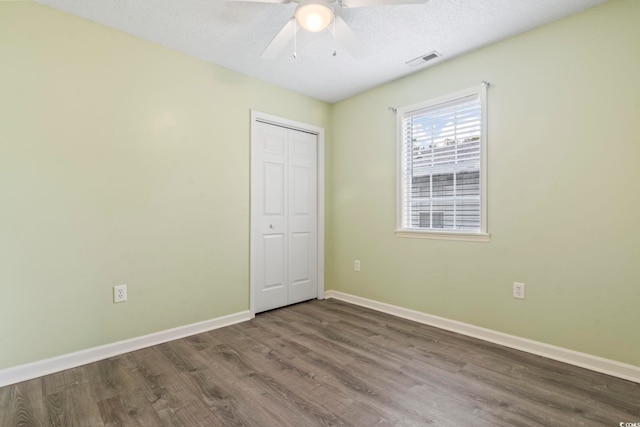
(518, 290)
(120, 293)
(356, 265)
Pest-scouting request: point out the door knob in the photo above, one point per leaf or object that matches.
(271, 226)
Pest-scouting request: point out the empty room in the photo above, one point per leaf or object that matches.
(320, 213)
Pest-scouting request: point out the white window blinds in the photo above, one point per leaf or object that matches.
(441, 160)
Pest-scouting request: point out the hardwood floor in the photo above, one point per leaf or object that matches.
(323, 363)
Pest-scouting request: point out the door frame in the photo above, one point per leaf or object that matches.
(260, 117)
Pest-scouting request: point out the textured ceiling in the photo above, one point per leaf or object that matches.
(234, 34)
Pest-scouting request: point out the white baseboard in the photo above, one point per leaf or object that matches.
(583, 360)
(29, 371)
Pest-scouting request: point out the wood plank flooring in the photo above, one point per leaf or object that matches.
(323, 363)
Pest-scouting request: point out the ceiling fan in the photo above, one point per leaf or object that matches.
(317, 15)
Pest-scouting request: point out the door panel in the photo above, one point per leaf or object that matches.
(299, 257)
(302, 217)
(300, 193)
(274, 261)
(273, 189)
(274, 144)
(284, 228)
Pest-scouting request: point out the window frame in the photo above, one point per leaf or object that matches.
(464, 235)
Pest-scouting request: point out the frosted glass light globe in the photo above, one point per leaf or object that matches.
(314, 17)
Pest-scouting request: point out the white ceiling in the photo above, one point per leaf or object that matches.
(234, 34)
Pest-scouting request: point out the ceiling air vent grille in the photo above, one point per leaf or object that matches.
(423, 59)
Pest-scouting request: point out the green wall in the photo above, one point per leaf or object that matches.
(120, 162)
(563, 190)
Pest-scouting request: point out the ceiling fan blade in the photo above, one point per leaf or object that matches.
(347, 38)
(263, 1)
(367, 3)
(281, 40)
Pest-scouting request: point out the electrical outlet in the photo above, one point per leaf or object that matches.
(356, 265)
(120, 293)
(518, 290)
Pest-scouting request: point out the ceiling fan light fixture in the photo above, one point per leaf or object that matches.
(313, 16)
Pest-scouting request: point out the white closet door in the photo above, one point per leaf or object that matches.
(284, 216)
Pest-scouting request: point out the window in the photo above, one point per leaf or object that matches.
(442, 167)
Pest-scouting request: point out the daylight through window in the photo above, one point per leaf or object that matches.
(442, 148)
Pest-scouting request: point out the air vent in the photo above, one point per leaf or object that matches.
(423, 59)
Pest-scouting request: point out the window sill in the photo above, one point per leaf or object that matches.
(445, 235)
